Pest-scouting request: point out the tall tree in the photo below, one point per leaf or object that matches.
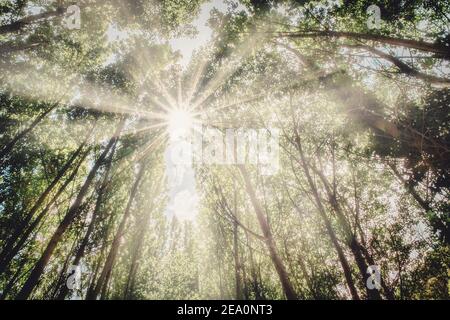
(35, 274)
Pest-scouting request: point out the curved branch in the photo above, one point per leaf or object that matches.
(403, 67)
(18, 25)
(439, 50)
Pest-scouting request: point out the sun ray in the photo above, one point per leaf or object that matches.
(194, 83)
(238, 103)
(179, 91)
(227, 69)
(124, 163)
(146, 128)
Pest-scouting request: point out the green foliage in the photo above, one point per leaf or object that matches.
(363, 150)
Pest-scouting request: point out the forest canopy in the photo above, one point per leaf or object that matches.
(229, 149)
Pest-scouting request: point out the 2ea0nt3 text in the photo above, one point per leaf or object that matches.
(227, 309)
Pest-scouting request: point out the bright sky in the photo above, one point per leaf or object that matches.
(183, 197)
(185, 45)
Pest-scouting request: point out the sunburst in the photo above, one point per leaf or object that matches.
(180, 122)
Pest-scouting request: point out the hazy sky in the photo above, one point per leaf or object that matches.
(185, 45)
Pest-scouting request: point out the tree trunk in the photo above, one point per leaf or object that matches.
(408, 186)
(139, 241)
(19, 229)
(270, 243)
(6, 149)
(18, 25)
(438, 49)
(33, 279)
(359, 252)
(82, 248)
(351, 240)
(100, 258)
(405, 68)
(107, 268)
(237, 263)
(25, 235)
(328, 226)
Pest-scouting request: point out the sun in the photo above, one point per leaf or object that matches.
(180, 122)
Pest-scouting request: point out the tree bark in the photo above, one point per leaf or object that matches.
(405, 68)
(139, 241)
(350, 238)
(19, 229)
(6, 149)
(270, 243)
(237, 263)
(107, 268)
(33, 279)
(328, 226)
(82, 248)
(438, 49)
(18, 25)
(101, 255)
(10, 254)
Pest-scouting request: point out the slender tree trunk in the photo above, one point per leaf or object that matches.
(359, 252)
(100, 258)
(6, 149)
(7, 289)
(255, 282)
(351, 240)
(19, 229)
(386, 290)
(307, 277)
(10, 254)
(105, 286)
(137, 252)
(82, 248)
(33, 279)
(18, 25)
(300, 258)
(341, 255)
(408, 186)
(219, 267)
(129, 287)
(237, 263)
(270, 243)
(328, 226)
(107, 268)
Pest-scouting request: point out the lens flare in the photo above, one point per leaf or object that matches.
(180, 122)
